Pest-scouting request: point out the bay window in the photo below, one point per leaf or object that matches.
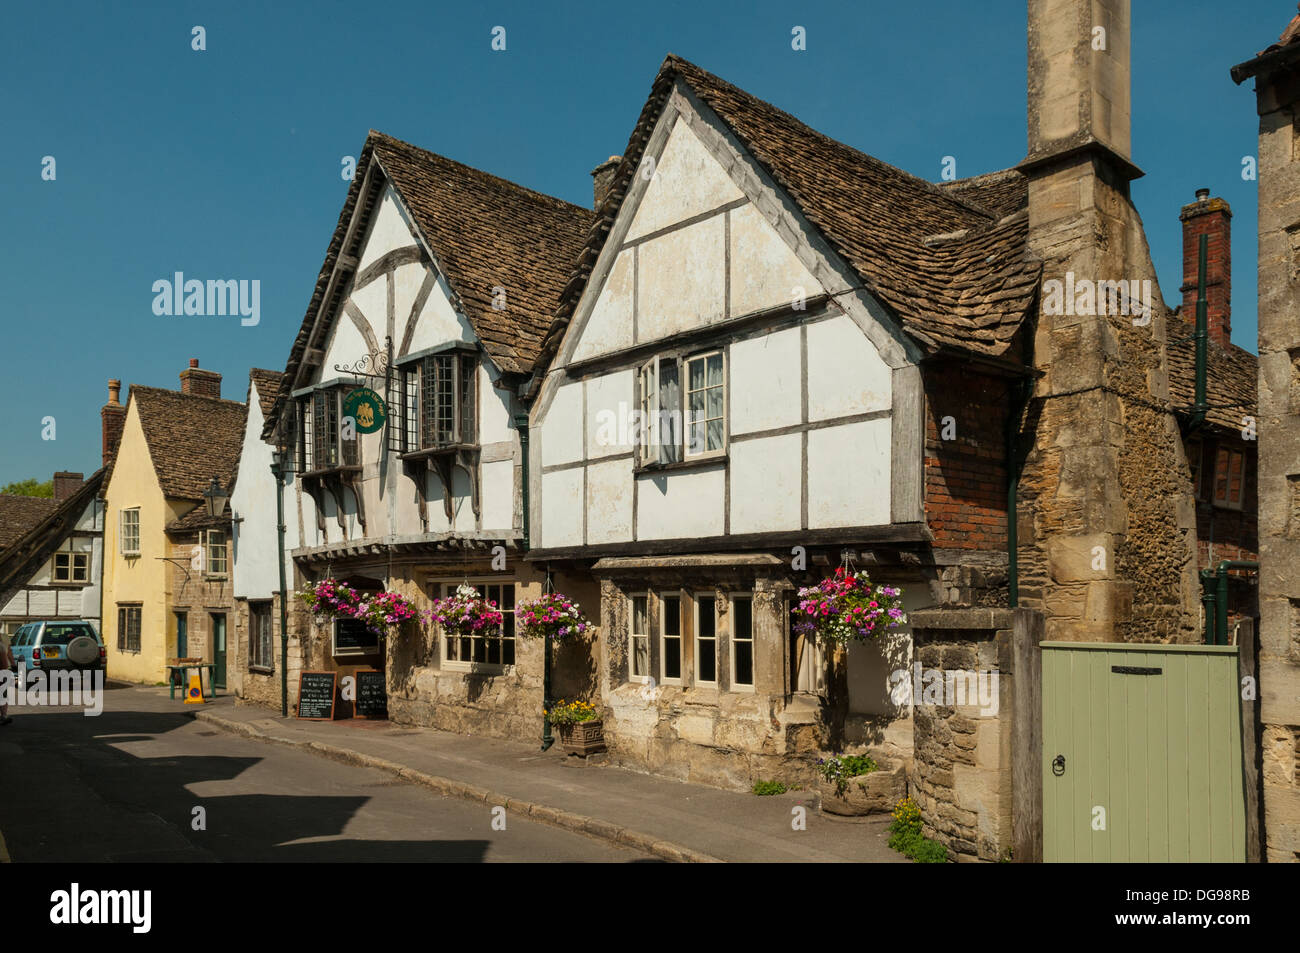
(437, 397)
(322, 442)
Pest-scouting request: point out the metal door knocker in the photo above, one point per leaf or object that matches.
(1058, 765)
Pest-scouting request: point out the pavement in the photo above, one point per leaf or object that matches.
(664, 818)
(145, 782)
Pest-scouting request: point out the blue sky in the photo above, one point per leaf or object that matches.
(225, 163)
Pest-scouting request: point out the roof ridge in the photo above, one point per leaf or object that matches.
(925, 184)
(385, 137)
(134, 388)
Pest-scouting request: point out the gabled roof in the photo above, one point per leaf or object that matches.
(950, 263)
(268, 385)
(1231, 378)
(22, 555)
(483, 231)
(191, 439)
(1275, 54)
(19, 515)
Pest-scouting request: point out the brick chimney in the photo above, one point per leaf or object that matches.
(602, 177)
(1213, 217)
(200, 383)
(113, 416)
(66, 484)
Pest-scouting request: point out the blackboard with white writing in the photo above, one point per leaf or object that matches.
(316, 696)
(372, 695)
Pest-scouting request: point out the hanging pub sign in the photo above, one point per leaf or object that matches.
(367, 408)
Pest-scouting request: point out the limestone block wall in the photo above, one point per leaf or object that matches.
(258, 687)
(962, 777)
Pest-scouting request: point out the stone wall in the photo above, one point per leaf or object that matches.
(962, 767)
(260, 687)
(1278, 96)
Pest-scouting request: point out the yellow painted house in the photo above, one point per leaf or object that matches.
(172, 444)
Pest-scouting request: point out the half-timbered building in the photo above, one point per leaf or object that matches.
(438, 285)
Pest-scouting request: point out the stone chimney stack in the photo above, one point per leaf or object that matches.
(113, 418)
(1213, 217)
(1079, 76)
(66, 484)
(198, 382)
(1100, 491)
(602, 177)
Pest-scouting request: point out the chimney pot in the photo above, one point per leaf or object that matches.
(194, 362)
(112, 418)
(200, 383)
(1202, 195)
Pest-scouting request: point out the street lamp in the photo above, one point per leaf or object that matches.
(215, 497)
(279, 463)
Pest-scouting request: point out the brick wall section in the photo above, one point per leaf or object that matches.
(965, 476)
(1212, 217)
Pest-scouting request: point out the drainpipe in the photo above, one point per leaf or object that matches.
(1221, 624)
(1201, 406)
(521, 424)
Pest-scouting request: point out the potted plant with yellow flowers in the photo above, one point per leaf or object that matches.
(582, 732)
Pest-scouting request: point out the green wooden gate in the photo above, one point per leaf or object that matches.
(1142, 757)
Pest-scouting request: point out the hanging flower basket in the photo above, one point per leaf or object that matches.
(381, 611)
(329, 599)
(552, 615)
(465, 613)
(846, 608)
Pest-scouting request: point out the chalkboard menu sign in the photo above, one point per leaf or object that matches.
(372, 696)
(351, 637)
(316, 696)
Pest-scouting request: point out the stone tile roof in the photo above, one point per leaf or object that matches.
(19, 515)
(198, 518)
(1273, 53)
(970, 289)
(484, 231)
(191, 439)
(1231, 379)
(268, 385)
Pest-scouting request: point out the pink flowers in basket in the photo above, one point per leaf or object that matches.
(380, 611)
(847, 607)
(553, 616)
(464, 613)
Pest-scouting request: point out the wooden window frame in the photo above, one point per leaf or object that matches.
(687, 423)
(122, 535)
(124, 633)
(633, 635)
(68, 577)
(1227, 501)
(447, 587)
(732, 640)
(664, 637)
(261, 658)
(205, 540)
(453, 405)
(697, 638)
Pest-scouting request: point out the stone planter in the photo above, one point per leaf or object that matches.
(582, 737)
(874, 793)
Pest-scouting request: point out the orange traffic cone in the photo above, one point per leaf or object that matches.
(194, 694)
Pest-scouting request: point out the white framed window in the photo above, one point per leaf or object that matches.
(638, 637)
(706, 639)
(321, 442)
(261, 657)
(215, 552)
(706, 428)
(487, 650)
(128, 532)
(742, 643)
(670, 639)
(71, 567)
(661, 411)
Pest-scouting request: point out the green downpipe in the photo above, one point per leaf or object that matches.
(1215, 599)
(1201, 406)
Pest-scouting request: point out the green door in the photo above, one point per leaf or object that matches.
(1142, 756)
(218, 650)
(182, 635)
